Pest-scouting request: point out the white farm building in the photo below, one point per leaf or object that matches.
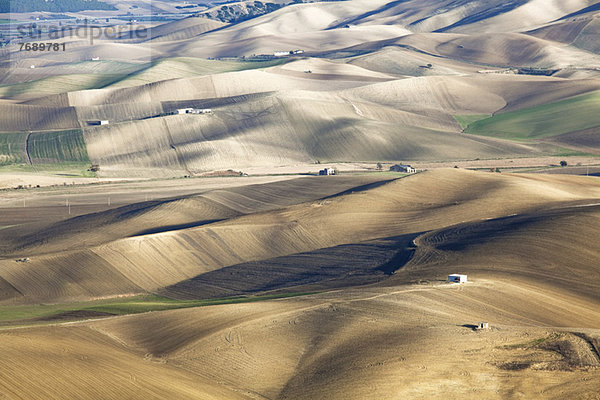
(403, 168)
(182, 111)
(201, 111)
(99, 122)
(456, 278)
(327, 171)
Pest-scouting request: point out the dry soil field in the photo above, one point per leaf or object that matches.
(364, 261)
(170, 255)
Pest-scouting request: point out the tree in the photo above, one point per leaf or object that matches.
(379, 166)
(563, 163)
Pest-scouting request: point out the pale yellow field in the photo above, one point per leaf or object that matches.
(534, 278)
(423, 202)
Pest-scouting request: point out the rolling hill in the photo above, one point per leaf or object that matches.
(519, 237)
(205, 258)
(373, 81)
(570, 115)
(152, 261)
(413, 118)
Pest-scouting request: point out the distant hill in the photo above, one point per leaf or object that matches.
(237, 12)
(374, 80)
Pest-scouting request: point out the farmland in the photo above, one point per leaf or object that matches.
(54, 147)
(569, 115)
(44, 314)
(335, 240)
(166, 231)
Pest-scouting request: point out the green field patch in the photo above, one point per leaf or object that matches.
(569, 115)
(525, 345)
(57, 146)
(466, 120)
(12, 148)
(532, 343)
(53, 152)
(34, 314)
(564, 152)
(62, 169)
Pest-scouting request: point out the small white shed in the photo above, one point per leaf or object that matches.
(457, 278)
(483, 325)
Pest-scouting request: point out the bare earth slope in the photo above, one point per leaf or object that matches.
(278, 286)
(532, 277)
(153, 261)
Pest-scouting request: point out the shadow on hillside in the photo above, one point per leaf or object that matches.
(334, 267)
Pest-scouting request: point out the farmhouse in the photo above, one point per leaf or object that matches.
(201, 111)
(99, 122)
(327, 171)
(403, 168)
(182, 111)
(456, 278)
(287, 53)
